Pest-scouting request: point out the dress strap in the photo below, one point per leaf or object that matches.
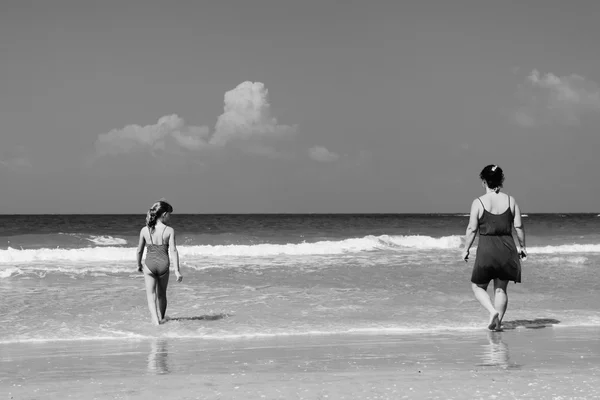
(481, 203)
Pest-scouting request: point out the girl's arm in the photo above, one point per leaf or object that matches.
(175, 255)
(140, 250)
(472, 228)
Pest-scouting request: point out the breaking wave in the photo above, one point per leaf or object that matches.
(328, 247)
(106, 251)
(106, 240)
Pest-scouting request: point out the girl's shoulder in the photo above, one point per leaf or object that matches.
(169, 233)
(168, 230)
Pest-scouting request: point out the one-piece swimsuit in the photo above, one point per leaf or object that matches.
(157, 256)
(497, 256)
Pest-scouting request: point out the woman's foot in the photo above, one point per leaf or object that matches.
(494, 323)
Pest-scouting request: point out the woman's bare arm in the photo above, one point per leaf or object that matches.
(472, 228)
(175, 255)
(518, 223)
(140, 249)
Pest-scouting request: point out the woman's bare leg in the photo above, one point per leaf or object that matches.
(482, 296)
(500, 298)
(151, 295)
(161, 295)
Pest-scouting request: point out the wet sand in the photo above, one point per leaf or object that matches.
(553, 362)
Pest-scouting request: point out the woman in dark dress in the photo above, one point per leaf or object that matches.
(494, 214)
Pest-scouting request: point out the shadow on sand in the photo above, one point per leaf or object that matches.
(537, 323)
(213, 317)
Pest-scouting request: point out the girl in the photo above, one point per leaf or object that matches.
(160, 239)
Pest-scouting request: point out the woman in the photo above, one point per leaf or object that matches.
(493, 215)
(161, 239)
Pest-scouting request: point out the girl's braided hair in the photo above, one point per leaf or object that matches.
(155, 212)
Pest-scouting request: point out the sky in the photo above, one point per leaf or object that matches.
(311, 106)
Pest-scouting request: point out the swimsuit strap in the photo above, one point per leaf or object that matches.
(162, 236)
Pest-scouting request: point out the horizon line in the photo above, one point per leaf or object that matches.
(303, 213)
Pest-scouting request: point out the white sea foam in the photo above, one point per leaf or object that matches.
(106, 240)
(203, 335)
(8, 272)
(468, 215)
(280, 333)
(566, 260)
(566, 249)
(330, 247)
(421, 242)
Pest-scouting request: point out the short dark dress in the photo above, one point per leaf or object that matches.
(497, 255)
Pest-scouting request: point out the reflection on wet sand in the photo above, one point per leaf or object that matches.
(158, 357)
(496, 352)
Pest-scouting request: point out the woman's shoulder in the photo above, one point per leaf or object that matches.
(477, 201)
(477, 205)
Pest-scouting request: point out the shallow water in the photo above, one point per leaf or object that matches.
(73, 277)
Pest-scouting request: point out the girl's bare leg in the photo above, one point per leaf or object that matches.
(151, 295)
(161, 295)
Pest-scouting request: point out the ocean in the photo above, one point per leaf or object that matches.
(73, 277)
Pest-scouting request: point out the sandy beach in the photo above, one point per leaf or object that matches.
(552, 362)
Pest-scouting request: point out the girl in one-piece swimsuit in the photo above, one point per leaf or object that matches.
(157, 263)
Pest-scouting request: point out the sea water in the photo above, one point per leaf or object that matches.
(73, 277)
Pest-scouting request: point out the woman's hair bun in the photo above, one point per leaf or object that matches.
(493, 176)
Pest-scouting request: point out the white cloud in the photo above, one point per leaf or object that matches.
(150, 137)
(195, 138)
(549, 98)
(15, 158)
(247, 115)
(321, 154)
